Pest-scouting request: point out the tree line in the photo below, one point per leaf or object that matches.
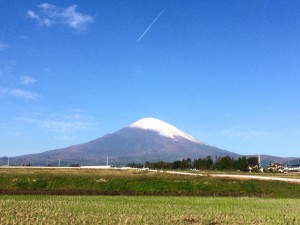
(221, 163)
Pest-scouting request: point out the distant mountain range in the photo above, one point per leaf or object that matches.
(148, 139)
(267, 159)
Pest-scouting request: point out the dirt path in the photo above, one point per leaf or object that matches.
(240, 177)
(251, 177)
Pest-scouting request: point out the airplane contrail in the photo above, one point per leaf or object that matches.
(145, 32)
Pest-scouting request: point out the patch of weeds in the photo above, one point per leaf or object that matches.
(31, 184)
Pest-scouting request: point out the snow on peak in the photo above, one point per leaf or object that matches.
(162, 128)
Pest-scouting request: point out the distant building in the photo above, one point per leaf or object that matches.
(292, 168)
(253, 165)
(97, 167)
(255, 168)
(276, 167)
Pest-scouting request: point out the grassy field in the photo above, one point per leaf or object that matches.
(159, 198)
(116, 182)
(41, 209)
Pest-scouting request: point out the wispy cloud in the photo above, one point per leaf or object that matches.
(148, 28)
(49, 14)
(27, 80)
(18, 93)
(3, 46)
(244, 134)
(59, 123)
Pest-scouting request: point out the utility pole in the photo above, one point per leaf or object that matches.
(107, 160)
(59, 161)
(7, 161)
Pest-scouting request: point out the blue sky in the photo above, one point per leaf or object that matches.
(226, 72)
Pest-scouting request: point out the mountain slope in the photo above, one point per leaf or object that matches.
(148, 139)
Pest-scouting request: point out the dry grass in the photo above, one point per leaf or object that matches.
(146, 210)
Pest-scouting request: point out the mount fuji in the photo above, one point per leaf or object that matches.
(148, 139)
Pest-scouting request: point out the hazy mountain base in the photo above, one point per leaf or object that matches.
(123, 161)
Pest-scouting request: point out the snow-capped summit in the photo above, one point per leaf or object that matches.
(162, 128)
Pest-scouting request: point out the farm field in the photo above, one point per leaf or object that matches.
(32, 209)
(51, 181)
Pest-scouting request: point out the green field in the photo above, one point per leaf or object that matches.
(146, 210)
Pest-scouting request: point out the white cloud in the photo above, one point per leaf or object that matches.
(74, 19)
(27, 80)
(49, 14)
(19, 93)
(47, 6)
(32, 15)
(3, 46)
